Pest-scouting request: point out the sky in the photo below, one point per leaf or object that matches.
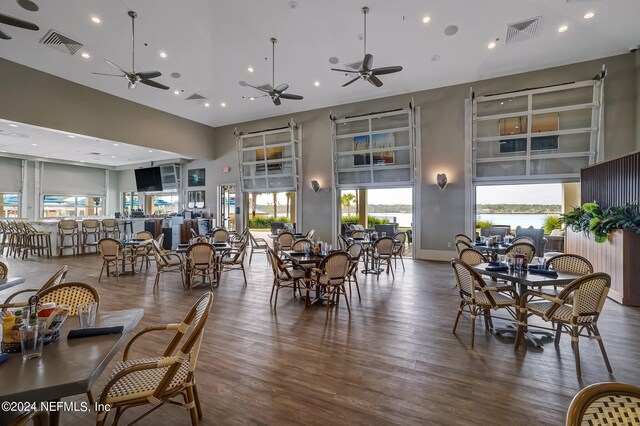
(520, 194)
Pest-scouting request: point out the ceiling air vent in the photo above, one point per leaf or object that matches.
(195, 97)
(61, 42)
(523, 30)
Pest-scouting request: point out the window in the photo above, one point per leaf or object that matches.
(9, 205)
(130, 202)
(165, 204)
(72, 206)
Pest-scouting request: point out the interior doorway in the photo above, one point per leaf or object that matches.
(227, 206)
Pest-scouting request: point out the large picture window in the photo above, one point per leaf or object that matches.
(10, 205)
(72, 206)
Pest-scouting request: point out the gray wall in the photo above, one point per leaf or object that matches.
(33, 97)
(638, 100)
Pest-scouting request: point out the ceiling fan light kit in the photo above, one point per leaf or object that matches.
(365, 71)
(276, 93)
(133, 77)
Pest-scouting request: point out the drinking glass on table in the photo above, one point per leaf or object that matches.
(501, 258)
(87, 314)
(32, 339)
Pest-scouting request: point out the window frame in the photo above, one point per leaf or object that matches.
(100, 209)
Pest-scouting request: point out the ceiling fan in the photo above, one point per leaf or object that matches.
(15, 22)
(276, 93)
(364, 70)
(133, 77)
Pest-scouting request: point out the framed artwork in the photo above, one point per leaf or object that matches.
(196, 177)
(274, 153)
(195, 199)
(361, 143)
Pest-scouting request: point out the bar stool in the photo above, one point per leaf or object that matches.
(90, 234)
(110, 229)
(36, 241)
(20, 238)
(68, 236)
(128, 224)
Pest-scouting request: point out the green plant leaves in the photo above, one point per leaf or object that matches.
(592, 220)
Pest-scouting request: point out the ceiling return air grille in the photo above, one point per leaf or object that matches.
(523, 30)
(61, 42)
(195, 97)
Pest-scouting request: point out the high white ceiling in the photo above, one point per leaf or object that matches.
(23, 140)
(212, 43)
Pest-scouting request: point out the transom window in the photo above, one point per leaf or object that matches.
(72, 206)
(10, 205)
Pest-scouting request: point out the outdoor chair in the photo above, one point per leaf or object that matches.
(71, 294)
(144, 252)
(607, 403)
(285, 241)
(301, 244)
(113, 253)
(90, 234)
(571, 264)
(257, 245)
(462, 245)
(472, 257)
(110, 228)
(494, 230)
(536, 234)
(574, 310)
(525, 248)
(286, 275)
(463, 237)
(54, 280)
(355, 250)
(398, 247)
(220, 235)
(166, 262)
(382, 254)
(478, 298)
(201, 261)
(235, 261)
(160, 379)
(330, 276)
(35, 241)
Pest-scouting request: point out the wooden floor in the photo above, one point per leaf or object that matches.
(394, 361)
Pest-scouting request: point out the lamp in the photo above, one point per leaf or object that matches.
(441, 180)
(315, 186)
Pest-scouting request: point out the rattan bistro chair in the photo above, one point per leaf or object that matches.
(235, 260)
(257, 245)
(571, 264)
(110, 228)
(330, 276)
(90, 234)
(478, 298)
(285, 241)
(462, 245)
(528, 249)
(55, 279)
(166, 262)
(201, 260)
(159, 380)
(463, 237)
(355, 250)
(71, 294)
(220, 235)
(286, 275)
(4, 270)
(113, 252)
(400, 238)
(68, 236)
(605, 404)
(382, 254)
(574, 310)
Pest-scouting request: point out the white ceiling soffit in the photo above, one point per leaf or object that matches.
(210, 46)
(33, 142)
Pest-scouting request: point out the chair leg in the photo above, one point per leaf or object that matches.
(402, 261)
(521, 325)
(473, 328)
(197, 401)
(346, 299)
(455, 323)
(556, 341)
(275, 303)
(597, 336)
(101, 270)
(155, 284)
(244, 274)
(576, 349)
(250, 256)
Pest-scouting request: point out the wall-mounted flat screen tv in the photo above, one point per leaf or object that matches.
(149, 179)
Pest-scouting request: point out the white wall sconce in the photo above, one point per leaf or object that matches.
(441, 180)
(315, 185)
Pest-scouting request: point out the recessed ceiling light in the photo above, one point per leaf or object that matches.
(150, 150)
(250, 69)
(435, 58)
(71, 136)
(426, 19)
(46, 156)
(85, 55)
(176, 92)
(115, 144)
(492, 45)
(316, 83)
(95, 20)
(222, 104)
(34, 144)
(252, 98)
(113, 156)
(207, 105)
(163, 54)
(82, 161)
(563, 28)
(13, 125)
(589, 15)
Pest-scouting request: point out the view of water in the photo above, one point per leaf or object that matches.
(524, 220)
(402, 219)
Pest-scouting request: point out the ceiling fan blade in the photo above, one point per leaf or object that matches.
(154, 84)
(351, 81)
(110, 75)
(386, 70)
(28, 5)
(341, 70)
(15, 22)
(115, 66)
(374, 80)
(281, 88)
(276, 100)
(367, 62)
(291, 96)
(4, 36)
(146, 75)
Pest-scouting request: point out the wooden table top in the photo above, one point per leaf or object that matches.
(66, 367)
(303, 259)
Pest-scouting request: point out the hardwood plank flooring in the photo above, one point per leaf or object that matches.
(394, 361)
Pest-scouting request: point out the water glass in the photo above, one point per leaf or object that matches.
(87, 314)
(501, 258)
(384, 234)
(32, 340)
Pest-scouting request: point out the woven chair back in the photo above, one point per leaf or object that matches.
(355, 251)
(285, 240)
(400, 237)
(310, 234)
(4, 270)
(605, 404)
(160, 239)
(67, 226)
(357, 234)
(144, 235)
(571, 264)
(56, 278)
(158, 251)
(472, 257)
(201, 255)
(274, 261)
(220, 235)
(384, 246)
(300, 245)
(71, 294)
(462, 245)
(90, 225)
(463, 237)
(336, 266)
(109, 223)
(109, 248)
(469, 282)
(528, 249)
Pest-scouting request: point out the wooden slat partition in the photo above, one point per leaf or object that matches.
(612, 183)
